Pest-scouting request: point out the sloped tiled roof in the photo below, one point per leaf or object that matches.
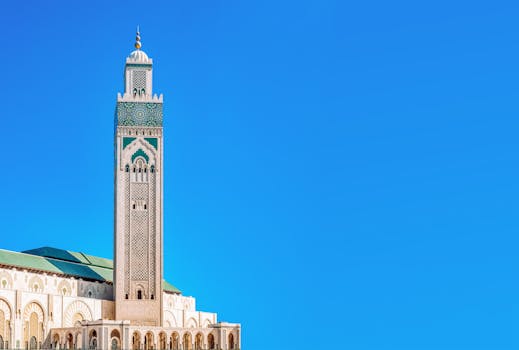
(64, 262)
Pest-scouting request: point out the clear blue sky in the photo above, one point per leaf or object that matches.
(338, 174)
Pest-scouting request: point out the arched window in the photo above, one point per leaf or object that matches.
(148, 341)
(70, 341)
(134, 91)
(93, 340)
(143, 92)
(210, 341)
(127, 168)
(174, 341)
(231, 341)
(187, 345)
(152, 169)
(139, 294)
(136, 341)
(116, 338)
(198, 341)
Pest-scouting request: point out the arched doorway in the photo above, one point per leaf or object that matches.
(174, 341)
(198, 341)
(5, 320)
(162, 341)
(70, 342)
(187, 342)
(231, 341)
(92, 340)
(210, 341)
(136, 341)
(33, 325)
(55, 341)
(148, 341)
(115, 340)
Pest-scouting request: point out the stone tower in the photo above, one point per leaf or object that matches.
(138, 178)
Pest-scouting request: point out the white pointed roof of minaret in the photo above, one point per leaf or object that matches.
(138, 56)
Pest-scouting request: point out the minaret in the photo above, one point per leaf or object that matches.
(138, 178)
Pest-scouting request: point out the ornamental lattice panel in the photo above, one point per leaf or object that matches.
(139, 79)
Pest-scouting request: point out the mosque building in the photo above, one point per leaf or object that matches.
(58, 299)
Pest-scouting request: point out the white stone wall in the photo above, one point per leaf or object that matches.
(180, 311)
(55, 299)
(15, 279)
(60, 298)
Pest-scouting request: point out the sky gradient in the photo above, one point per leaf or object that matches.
(337, 174)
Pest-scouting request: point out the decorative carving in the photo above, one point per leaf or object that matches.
(75, 308)
(6, 281)
(64, 288)
(6, 309)
(170, 319)
(33, 307)
(35, 284)
(139, 114)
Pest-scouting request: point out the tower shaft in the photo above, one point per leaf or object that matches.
(138, 182)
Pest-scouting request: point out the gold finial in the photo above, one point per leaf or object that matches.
(138, 39)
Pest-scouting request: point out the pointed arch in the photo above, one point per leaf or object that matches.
(133, 149)
(187, 342)
(6, 281)
(149, 341)
(199, 341)
(75, 308)
(35, 284)
(33, 307)
(6, 308)
(174, 341)
(64, 288)
(136, 340)
(230, 342)
(163, 340)
(206, 323)
(33, 320)
(191, 323)
(170, 318)
(140, 153)
(5, 324)
(210, 341)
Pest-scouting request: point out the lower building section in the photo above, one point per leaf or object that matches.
(116, 335)
(48, 311)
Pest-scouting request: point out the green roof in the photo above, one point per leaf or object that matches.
(65, 262)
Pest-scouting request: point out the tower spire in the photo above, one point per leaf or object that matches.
(138, 44)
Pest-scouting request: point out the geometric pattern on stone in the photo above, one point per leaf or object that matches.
(139, 114)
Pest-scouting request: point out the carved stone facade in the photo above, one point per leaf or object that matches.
(138, 197)
(52, 298)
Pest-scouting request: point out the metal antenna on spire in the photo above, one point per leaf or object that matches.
(138, 44)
